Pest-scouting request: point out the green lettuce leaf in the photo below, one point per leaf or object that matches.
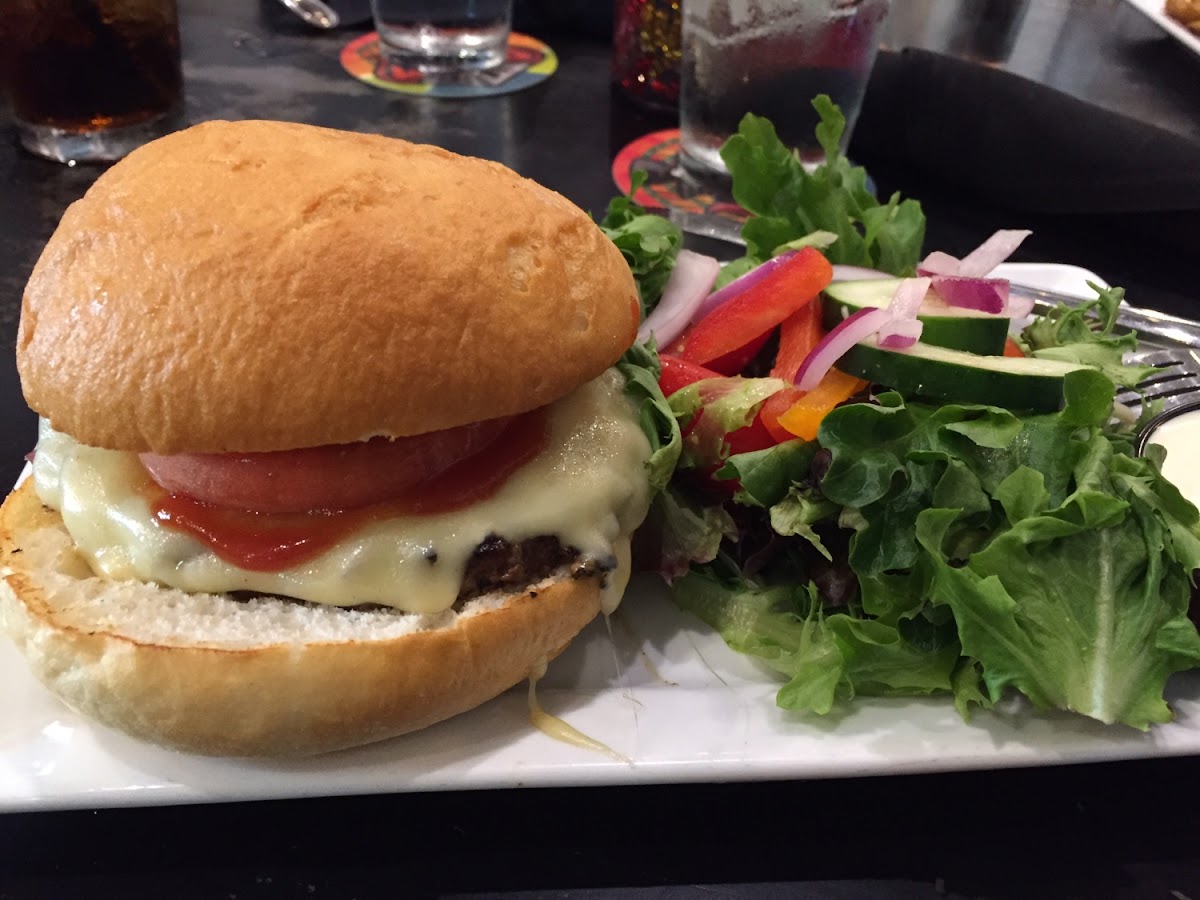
(713, 407)
(993, 552)
(789, 203)
(1080, 606)
(824, 657)
(648, 242)
(641, 367)
(1084, 333)
(765, 476)
(688, 532)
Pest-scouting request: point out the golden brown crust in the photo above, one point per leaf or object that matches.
(283, 698)
(264, 285)
(1186, 12)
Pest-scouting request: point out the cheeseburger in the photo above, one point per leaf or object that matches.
(331, 446)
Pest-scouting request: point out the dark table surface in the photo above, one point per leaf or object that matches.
(1116, 830)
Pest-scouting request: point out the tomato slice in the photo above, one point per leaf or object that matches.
(270, 542)
(760, 308)
(332, 477)
(1012, 348)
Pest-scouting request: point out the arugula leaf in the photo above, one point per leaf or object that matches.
(648, 242)
(788, 203)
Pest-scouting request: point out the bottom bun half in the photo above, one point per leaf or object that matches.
(263, 676)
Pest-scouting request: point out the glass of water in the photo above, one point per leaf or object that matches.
(443, 35)
(771, 57)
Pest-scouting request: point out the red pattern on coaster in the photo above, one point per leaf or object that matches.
(529, 62)
(657, 154)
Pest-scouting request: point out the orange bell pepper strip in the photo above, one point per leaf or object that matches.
(803, 418)
(789, 285)
(799, 334)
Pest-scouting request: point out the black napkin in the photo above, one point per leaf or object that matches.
(1016, 145)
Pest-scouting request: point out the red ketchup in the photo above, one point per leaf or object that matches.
(272, 542)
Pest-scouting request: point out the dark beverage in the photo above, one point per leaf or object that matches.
(784, 98)
(88, 67)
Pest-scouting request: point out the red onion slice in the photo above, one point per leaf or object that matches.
(903, 327)
(1018, 308)
(938, 263)
(906, 302)
(989, 295)
(995, 250)
(833, 346)
(900, 335)
(739, 286)
(896, 324)
(690, 281)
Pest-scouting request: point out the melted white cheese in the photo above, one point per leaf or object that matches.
(587, 488)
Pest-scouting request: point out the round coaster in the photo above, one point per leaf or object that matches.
(667, 186)
(529, 62)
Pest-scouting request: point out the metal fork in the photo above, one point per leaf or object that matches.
(1176, 381)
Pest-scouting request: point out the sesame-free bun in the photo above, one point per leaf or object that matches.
(210, 674)
(255, 286)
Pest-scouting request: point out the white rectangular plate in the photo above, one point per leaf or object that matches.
(656, 687)
(1154, 10)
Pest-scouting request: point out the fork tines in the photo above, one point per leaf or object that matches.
(1176, 380)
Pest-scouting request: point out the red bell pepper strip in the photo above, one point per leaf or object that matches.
(733, 363)
(774, 407)
(679, 373)
(798, 336)
(759, 309)
(754, 436)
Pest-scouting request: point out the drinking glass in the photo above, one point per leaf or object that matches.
(771, 57)
(89, 80)
(443, 35)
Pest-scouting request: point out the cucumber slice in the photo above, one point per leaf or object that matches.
(944, 326)
(1023, 383)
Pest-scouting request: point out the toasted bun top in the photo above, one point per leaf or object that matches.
(252, 286)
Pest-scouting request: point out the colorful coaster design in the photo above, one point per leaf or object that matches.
(667, 186)
(529, 62)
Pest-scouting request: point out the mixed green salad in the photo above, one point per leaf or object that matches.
(874, 484)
